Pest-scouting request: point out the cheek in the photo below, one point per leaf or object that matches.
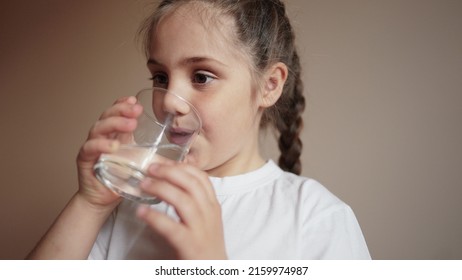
(224, 129)
(226, 126)
(214, 124)
(218, 124)
(226, 115)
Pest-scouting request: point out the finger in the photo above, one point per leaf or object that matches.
(105, 127)
(128, 99)
(173, 232)
(187, 208)
(203, 178)
(187, 177)
(92, 149)
(125, 109)
(194, 188)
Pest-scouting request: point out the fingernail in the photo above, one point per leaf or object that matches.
(153, 168)
(131, 99)
(144, 184)
(142, 210)
(136, 108)
(114, 146)
(130, 122)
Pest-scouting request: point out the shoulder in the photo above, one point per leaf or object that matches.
(314, 203)
(329, 227)
(309, 191)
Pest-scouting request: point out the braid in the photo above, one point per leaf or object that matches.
(290, 122)
(286, 114)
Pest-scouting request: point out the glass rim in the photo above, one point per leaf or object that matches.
(167, 91)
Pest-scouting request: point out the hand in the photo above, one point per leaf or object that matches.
(199, 233)
(121, 117)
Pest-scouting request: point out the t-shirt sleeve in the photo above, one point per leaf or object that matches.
(335, 234)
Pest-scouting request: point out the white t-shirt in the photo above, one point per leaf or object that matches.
(267, 214)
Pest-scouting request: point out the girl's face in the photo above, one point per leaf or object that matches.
(195, 59)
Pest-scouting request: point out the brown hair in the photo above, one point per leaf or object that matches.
(264, 30)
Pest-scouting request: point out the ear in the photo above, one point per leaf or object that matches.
(274, 80)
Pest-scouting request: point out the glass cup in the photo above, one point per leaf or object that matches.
(165, 131)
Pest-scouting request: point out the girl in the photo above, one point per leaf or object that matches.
(235, 61)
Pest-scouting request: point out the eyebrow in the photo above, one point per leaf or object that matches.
(153, 61)
(189, 60)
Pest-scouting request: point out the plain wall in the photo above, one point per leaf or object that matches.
(383, 131)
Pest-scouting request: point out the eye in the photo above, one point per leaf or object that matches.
(203, 78)
(160, 80)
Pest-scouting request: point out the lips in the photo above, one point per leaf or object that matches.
(179, 136)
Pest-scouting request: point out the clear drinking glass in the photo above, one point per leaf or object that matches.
(165, 131)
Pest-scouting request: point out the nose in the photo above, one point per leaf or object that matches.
(175, 104)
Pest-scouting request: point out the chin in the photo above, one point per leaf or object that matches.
(191, 158)
(201, 163)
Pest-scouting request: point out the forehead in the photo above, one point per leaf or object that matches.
(198, 29)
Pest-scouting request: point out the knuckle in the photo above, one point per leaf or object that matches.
(120, 100)
(86, 146)
(84, 150)
(95, 127)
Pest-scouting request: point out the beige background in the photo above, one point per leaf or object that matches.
(383, 132)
